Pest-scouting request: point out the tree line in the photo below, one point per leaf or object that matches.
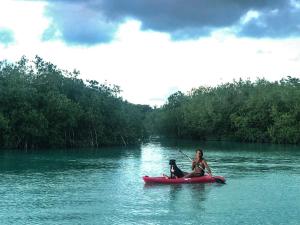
(260, 111)
(42, 106)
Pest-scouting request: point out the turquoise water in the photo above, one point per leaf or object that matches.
(105, 186)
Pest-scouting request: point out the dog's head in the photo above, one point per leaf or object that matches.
(172, 162)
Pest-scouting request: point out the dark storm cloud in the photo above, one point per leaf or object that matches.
(6, 36)
(95, 21)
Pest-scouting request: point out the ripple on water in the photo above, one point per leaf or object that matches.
(106, 187)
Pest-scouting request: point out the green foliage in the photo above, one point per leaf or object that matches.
(42, 106)
(259, 111)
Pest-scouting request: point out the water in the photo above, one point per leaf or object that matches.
(105, 186)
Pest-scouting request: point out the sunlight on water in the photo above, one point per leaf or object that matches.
(106, 187)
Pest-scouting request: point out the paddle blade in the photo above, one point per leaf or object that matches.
(220, 180)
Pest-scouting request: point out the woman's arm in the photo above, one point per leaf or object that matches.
(207, 167)
(193, 165)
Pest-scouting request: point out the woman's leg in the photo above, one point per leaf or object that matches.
(189, 175)
(194, 174)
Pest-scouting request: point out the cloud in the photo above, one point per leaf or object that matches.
(274, 23)
(78, 23)
(6, 36)
(96, 21)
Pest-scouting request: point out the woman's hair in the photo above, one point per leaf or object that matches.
(201, 152)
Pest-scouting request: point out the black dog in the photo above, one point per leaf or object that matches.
(174, 170)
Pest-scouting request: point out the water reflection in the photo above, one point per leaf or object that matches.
(106, 186)
(199, 193)
(181, 197)
(34, 161)
(173, 192)
(225, 145)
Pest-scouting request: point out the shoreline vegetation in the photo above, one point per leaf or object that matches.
(42, 106)
(244, 111)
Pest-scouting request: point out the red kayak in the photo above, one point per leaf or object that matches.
(203, 179)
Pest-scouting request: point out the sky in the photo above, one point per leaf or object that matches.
(153, 48)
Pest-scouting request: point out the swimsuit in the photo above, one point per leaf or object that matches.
(201, 167)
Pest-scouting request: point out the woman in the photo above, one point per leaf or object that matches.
(199, 165)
